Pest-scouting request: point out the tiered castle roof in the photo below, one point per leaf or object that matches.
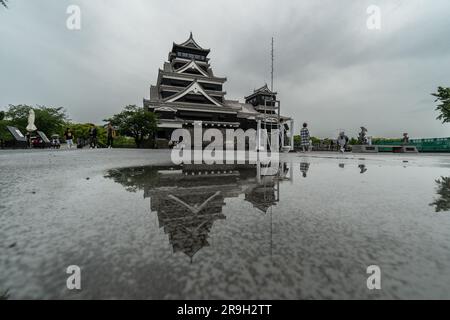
(187, 83)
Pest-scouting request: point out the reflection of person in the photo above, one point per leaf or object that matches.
(111, 135)
(304, 134)
(304, 167)
(342, 141)
(93, 135)
(285, 168)
(69, 138)
(363, 168)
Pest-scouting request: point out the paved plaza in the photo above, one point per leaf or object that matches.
(140, 227)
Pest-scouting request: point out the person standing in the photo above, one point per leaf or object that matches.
(93, 135)
(111, 135)
(69, 138)
(362, 138)
(342, 141)
(405, 139)
(28, 136)
(304, 134)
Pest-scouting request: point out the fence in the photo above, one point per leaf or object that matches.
(423, 145)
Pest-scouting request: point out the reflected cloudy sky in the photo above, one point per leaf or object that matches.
(330, 69)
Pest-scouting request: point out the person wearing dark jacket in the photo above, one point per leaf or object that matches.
(111, 133)
(93, 136)
(69, 138)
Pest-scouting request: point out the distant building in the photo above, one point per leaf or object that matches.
(187, 90)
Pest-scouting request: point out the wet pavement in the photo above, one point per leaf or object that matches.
(142, 228)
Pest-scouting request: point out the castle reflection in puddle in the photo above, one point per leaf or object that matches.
(188, 199)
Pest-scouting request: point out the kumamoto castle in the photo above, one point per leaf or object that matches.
(187, 91)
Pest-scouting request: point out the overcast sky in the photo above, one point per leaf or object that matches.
(330, 69)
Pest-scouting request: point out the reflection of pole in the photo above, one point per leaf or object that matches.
(278, 188)
(258, 171)
(258, 138)
(271, 232)
(279, 125)
(291, 172)
(271, 210)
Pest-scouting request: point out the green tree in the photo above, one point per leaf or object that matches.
(48, 119)
(4, 133)
(443, 96)
(297, 141)
(315, 141)
(135, 122)
(443, 202)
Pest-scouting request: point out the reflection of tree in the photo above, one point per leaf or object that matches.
(4, 295)
(134, 179)
(443, 190)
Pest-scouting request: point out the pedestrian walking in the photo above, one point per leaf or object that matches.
(69, 138)
(111, 133)
(304, 134)
(405, 139)
(93, 136)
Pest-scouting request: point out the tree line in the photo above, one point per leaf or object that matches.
(133, 123)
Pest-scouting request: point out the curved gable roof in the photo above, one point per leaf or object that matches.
(196, 88)
(190, 43)
(263, 90)
(192, 65)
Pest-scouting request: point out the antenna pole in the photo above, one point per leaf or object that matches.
(271, 73)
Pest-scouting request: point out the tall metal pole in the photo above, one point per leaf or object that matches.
(271, 88)
(271, 73)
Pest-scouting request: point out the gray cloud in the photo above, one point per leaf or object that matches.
(330, 70)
